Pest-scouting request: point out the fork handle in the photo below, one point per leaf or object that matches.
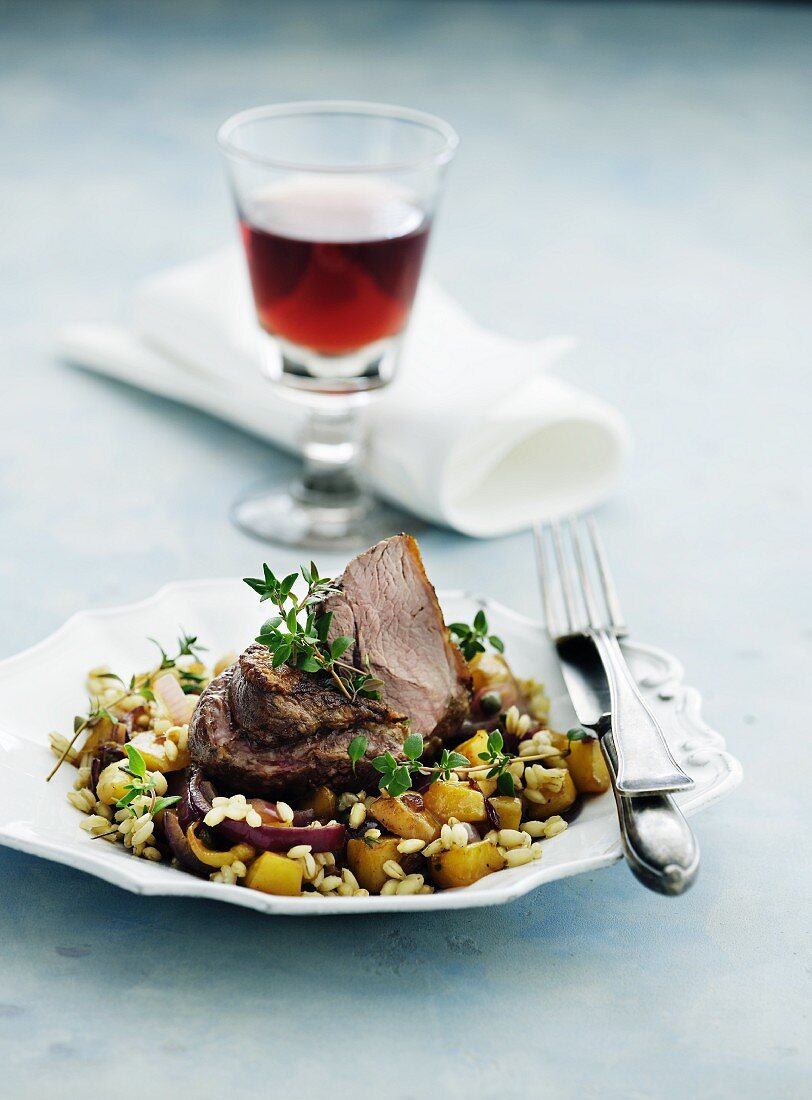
(644, 762)
(659, 844)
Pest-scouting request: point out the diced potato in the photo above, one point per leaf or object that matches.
(487, 786)
(508, 810)
(445, 800)
(158, 757)
(323, 804)
(273, 873)
(473, 747)
(112, 782)
(462, 866)
(366, 861)
(558, 802)
(587, 767)
(103, 730)
(406, 817)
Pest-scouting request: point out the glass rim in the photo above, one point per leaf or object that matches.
(339, 107)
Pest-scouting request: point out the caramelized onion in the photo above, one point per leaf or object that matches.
(211, 857)
(266, 838)
(279, 838)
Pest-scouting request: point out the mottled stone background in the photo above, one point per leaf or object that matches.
(636, 175)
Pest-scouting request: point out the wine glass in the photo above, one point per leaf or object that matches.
(335, 202)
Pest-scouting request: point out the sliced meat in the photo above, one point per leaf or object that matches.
(389, 607)
(266, 731)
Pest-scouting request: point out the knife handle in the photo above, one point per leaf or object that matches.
(659, 844)
(644, 764)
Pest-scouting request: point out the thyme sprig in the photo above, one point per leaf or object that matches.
(299, 637)
(500, 762)
(397, 776)
(81, 723)
(472, 638)
(188, 645)
(142, 784)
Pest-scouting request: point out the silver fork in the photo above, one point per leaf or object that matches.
(580, 600)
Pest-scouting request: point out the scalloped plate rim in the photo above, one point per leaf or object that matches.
(527, 879)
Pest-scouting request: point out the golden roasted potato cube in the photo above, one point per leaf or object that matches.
(487, 786)
(114, 779)
(112, 782)
(587, 766)
(446, 800)
(103, 730)
(462, 866)
(474, 746)
(158, 757)
(406, 816)
(273, 873)
(366, 860)
(508, 810)
(558, 802)
(323, 804)
(489, 668)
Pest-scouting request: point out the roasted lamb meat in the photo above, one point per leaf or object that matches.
(389, 606)
(273, 731)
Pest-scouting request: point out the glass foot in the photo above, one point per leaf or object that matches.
(289, 518)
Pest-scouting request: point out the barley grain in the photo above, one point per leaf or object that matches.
(410, 846)
(393, 869)
(358, 815)
(518, 856)
(410, 885)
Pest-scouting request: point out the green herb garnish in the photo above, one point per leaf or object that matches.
(142, 784)
(356, 749)
(471, 639)
(449, 762)
(500, 761)
(397, 775)
(138, 685)
(188, 646)
(297, 636)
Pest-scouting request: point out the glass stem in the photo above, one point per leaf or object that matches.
(332, 445)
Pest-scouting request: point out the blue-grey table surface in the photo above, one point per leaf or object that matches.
(635, 175)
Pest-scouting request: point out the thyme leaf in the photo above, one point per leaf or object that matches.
(471, 638)
(297, 635)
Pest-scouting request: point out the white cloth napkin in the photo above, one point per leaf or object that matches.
(474, 433)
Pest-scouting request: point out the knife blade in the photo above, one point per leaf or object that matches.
(585, 681)
(658, 843)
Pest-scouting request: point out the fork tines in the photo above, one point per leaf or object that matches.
(577, 588)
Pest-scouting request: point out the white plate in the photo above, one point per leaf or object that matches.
(42, 688)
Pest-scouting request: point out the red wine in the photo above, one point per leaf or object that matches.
(334, 267)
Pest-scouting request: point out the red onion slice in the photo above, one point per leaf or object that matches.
(279, 838)
(269, 810)
(267, 838)
(200, 792)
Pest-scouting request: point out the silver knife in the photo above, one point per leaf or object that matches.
(659, 844)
